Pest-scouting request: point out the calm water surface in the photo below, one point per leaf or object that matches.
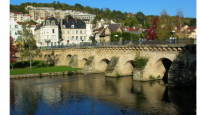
(96, 94)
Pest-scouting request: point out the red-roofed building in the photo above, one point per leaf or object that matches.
(33, 26)
(136, 30)
(40, 20)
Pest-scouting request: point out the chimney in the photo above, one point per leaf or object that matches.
(76, 19)
(67, 19)
(134, 27)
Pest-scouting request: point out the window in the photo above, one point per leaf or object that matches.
(76, 31)
(80, 37)
(53, 22)
(16, 26)
(47, 22)
(51, 43)
(76, 37)
(72, 37)
(72, 31)
(54, 43)
(10, 32)
(72, 26)
(47, 36)
(80, 31)
(10, 26)
(68, 32)
(84, 38)
(52, 30)
(18, 32)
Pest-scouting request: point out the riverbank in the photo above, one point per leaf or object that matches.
(52, 74)
(38, 70)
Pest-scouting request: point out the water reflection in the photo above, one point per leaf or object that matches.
(96, 94)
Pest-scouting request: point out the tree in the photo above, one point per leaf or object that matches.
(29, 50)
(164, 26)
(179, 22)
(13, 51)
(52, 58)
(152, 30)
(193, 22)
(126, 36)
(113, 36)
(140, 17)
(135, 36)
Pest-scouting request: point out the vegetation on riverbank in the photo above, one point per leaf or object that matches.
(42, 70)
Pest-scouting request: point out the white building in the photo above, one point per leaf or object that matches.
(48, 30)
(39, 20)
(19, 17)
(38, 12)
(15, 29)
(75, 31)
(83, 15)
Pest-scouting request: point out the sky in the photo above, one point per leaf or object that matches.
(148, 7)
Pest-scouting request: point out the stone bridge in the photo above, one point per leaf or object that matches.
(175, 63)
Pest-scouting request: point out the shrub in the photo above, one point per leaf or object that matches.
(117, 74)
(24, 64)
(70, 73)
(140, 61)
(151, 77)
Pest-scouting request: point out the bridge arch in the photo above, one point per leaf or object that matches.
(128, 68)
(68, 59)
(82, 62)
(161, 69)
(102, 65)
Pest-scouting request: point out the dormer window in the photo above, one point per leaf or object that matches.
(47, 22)
(53, 22)
(72, 26)
(63, 26)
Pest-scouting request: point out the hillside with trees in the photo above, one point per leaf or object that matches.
(139, 18)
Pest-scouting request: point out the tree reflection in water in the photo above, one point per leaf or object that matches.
(96, 94)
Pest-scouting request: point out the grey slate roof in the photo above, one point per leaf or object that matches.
(79, 25)
(114, 27)
(50, 20)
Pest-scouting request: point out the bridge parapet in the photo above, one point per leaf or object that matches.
(152, 47)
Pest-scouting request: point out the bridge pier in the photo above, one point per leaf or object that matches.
(74, 61)
(88, 64)
(111, 69)
(181, 72)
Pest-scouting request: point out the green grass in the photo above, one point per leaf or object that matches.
(42, 70)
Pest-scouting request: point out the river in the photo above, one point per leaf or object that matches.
(96, 94)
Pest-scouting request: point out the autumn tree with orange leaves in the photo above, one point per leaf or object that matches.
(13, 51)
